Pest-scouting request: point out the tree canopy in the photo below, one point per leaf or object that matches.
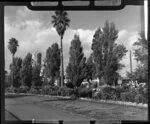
(60, 21)
(12, 45)
(26, 72)
(52, 62)
(107, 54)
(141, 55)
(76, 69)
(16, 68)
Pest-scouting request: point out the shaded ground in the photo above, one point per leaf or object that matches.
(46, 108)
(10, 116)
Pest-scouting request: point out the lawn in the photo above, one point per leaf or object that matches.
(94, 110)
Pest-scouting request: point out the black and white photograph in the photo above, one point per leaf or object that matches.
(75, 66)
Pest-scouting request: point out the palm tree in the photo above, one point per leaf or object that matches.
(12, 46)
(61, 21)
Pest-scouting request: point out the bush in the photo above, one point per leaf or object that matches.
(11, 90)
(84, 92)
(118, 91)
(125, 96)
(65, 91)
(142, 95)
(69, 85)
(128, 96)
(139, 98)
(53, 93)
(34, 90)
(55, 88)
(99, 95)
(73, 97)
(46, 89)
(108, 93)
(125, 88)
(23, 89)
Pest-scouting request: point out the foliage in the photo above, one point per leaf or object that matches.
(76, 69)
(8, 80)
(139, 98)
(34, 90)
(84, 92)
(10, 89)
(69, 85)
(47, 89)
(107, 54)
(60, 21)
(91, 68)
(12, 45)
(26, 71)
(52, 62)
(108, 93)
(16, 69)
(141, 55)
(36, 79)
(128, 97)
(23, 89)
(39, 57)
(65, 91)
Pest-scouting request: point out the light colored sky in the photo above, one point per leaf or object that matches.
(34, 31)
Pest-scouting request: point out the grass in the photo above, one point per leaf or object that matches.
(101, 111)
(96, 110)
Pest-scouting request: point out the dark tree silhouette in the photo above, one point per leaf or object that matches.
(52, 62)
(16, 69)
(61, 21)
(12, 46)
(107, 54)
(26, 72)
(76, 69)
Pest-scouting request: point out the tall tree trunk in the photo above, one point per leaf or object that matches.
(62, 66)
(12, 70)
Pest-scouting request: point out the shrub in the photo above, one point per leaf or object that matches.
(128, 96)
(139, 98)
(34, 90)
(46, 89)
(55, 88)
(69, 85)
(125, 88)
(118, 91)
(84, 92)
(65, 91)
(23, 89)
(99, 95)
(108, 93)
(11, 90)
(125, 96)
(53, 93)
(142, 95)
(73, 97)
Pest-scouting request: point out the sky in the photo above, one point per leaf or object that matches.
(34, 31)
